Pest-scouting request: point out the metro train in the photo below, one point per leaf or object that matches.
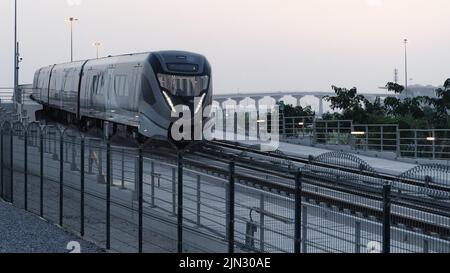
(137, 92)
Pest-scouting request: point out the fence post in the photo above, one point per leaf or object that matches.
(224, 125)
(314, 139)
(123, 170)
(141, 198)
(357, 237)
(339, 133)
(235, 123)
(61, 178)
(382, 137)
(25, 172)
(367, 138)
(298, 212)
(174, 192)
(73, 166)
(398, 141)
(41, 175)
(415, 144)
(108, 194)
(434, 144)
(101, 177)
(55, 152)
(82, 187)
(257, 119)
(66, 155)
(261, 222)
(1, 169)
(230, 204)
(304, 229)
(199, 199)
(152, 188)
(386, 218)
(11, 163)
(180, 202)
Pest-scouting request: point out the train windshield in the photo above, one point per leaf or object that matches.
(183, 86)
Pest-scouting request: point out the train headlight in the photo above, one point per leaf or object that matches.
(169, 101)
(200, 103)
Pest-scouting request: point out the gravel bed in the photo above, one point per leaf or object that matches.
(24, 232)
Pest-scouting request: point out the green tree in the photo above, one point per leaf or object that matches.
(298, 111)
(349, 102)
(345, 99)
(395, 87)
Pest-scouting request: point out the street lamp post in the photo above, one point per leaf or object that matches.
(406, 64)
(97, 45)
(71, 19)
(16, 52)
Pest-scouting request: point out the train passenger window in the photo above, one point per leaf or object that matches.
(120, 85)
(94, 85)
(100, 84)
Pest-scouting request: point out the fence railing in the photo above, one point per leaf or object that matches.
(376, 137)
(6, 95)
(408, 143)
(137, 198)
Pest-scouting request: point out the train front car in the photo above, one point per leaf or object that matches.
(184, 85)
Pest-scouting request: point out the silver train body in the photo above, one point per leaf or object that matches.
(139, 91)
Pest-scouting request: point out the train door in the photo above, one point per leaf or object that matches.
(109, 90)
(135, 86)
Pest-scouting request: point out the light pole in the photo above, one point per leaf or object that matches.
(97, 45)
(16, 52)
(406, 64)
(71, 19)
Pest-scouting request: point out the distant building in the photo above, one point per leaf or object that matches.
(417, 90)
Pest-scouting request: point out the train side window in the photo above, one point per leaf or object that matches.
(100, 84)
(94, 85)
(120, 85)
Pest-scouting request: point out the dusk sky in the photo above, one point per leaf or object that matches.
(253, 45)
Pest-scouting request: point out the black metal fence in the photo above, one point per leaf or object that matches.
(142, 198)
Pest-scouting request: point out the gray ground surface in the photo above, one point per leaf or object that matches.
(23, 232)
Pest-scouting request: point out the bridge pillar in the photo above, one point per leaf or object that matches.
(320, 105)
(277, 98)
(299, 99)
(238, 101)
(370, 98)
(220, 102)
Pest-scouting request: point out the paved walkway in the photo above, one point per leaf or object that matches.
(23, 232)
(382, 165)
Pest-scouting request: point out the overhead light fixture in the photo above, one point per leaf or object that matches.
(431, 138)
(301, 123)
(261, 121)
(358, 133)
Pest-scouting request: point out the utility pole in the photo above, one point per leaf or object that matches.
(97, 45)
(406, 64)
(71, 19)
(396, 75)
(16, 55)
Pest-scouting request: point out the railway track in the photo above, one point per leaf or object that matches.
(314, 196)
